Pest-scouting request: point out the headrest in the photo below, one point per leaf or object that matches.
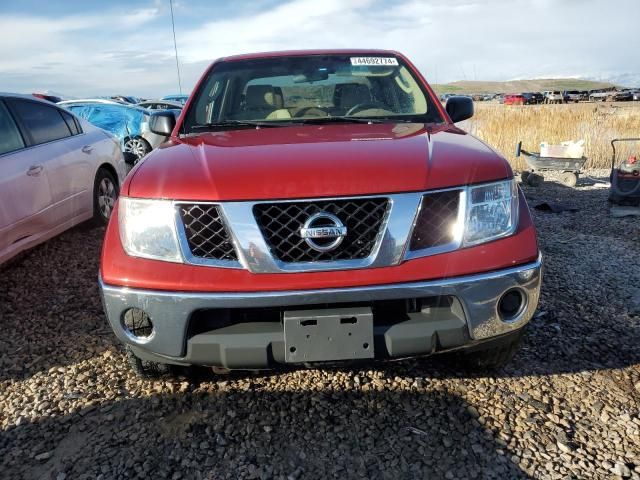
(262, 96)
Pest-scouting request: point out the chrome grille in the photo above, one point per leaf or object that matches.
(438, 213)
(280, 224)
(206, 233)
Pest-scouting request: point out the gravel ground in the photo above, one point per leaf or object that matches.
(566, 407)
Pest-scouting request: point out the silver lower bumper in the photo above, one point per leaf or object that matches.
(478, 295)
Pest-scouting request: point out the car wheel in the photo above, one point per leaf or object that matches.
(497, 355)
(105, 194)
(138, 146)
(146, 368)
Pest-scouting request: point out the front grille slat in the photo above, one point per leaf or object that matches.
(438, 214)
(206, 232)
(280, 224)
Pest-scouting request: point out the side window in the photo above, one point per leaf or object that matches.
(43, 123)
(10, 138)
(71, 122)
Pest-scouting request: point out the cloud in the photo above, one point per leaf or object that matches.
(130, 50)
(82, 54)
(447, 39)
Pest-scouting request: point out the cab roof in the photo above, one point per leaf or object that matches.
(301, 53)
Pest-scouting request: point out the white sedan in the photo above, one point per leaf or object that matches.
(56, 171)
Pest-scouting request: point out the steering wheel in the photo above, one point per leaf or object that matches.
(366, 106)
(315, 111)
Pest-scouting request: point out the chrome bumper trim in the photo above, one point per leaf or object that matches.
(479, 295)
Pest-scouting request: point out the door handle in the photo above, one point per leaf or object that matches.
(35, 170)
(87, 149)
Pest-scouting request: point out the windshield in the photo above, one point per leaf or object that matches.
(312, 88)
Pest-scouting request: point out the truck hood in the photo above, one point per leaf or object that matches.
(315, 161)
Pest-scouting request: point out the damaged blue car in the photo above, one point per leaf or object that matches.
(130, 124)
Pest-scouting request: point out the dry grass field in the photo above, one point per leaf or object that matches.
(597, 123)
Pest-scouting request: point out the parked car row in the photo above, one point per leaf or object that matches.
(555, 96)
(620, 95)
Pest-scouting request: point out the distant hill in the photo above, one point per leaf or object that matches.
(519, 86)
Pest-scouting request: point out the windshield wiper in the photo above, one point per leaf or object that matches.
(318, 120)
(387, 119)
(235, 123)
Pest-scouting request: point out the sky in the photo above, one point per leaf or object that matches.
(93, 47)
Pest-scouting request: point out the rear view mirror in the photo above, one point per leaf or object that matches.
(459, 108)
(312, 76)
(162, 123)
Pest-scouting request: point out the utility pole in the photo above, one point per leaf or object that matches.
(175, 46)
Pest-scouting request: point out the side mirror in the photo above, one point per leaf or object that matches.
(459, 108)
(162, 123)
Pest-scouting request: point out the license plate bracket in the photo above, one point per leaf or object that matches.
(328, 334)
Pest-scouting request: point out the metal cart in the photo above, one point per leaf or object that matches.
(570, 168)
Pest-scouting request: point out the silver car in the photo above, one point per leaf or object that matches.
(56, 171)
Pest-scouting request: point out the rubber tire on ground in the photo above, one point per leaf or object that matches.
(569, 179)
(524, 176)
(496, 357)
(99, 219)
(145, 368)
(535, 180)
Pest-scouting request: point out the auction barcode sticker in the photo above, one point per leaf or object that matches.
(374, 61)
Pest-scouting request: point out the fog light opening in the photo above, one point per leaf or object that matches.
(511, 304)
(137, 323)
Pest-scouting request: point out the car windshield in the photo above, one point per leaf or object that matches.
(309, 89)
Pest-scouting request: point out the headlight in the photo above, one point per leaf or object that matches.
(148, 229)
(492, 212)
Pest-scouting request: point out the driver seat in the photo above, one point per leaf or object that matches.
(263, 102)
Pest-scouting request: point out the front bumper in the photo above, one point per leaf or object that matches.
(469, 316)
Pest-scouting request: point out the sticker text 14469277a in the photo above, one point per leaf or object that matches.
(374, 61)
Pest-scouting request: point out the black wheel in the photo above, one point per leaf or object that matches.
(524, 176)
(105, 194)
(568, 179)
(147, 368)
(497, 354)
(138, 146)
(535, 180)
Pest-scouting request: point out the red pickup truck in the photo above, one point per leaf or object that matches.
(318, 206)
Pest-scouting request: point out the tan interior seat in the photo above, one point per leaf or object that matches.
(264, 102)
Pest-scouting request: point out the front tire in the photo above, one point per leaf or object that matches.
(497, 355)
(146, 368)
(105, 194)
